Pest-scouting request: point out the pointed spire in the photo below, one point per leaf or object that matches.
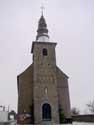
(42, 27)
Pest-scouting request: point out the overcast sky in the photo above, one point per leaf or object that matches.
(70, 24)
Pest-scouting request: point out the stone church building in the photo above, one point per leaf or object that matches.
(43, 93)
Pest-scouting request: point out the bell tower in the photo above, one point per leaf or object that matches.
(44, 78)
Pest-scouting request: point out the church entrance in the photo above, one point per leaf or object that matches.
(46, 112)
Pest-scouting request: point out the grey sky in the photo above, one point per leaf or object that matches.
(70, 24)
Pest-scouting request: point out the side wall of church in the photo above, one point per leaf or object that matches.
(63, 93)
(25, 90)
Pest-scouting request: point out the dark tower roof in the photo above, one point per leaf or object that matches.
(42, 28)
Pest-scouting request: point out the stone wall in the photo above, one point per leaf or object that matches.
(84, 118)
(25, 90)
(63, 93)
(45, 82)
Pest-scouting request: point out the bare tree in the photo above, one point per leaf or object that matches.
(90, 106)
(75, 111)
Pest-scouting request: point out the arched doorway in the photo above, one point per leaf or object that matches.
(46, 112)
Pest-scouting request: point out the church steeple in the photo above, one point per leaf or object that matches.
(42, 32)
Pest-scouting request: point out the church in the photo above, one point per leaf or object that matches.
(43, 93)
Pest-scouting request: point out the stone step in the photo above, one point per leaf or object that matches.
(47, 123)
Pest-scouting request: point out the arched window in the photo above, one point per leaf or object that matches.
(46, 112)
(44, 51)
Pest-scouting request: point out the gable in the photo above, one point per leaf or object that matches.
(25, 76)
(61, 73)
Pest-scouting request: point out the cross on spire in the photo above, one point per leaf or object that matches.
(42, 8)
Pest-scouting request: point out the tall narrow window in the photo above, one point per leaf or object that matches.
(44, 51)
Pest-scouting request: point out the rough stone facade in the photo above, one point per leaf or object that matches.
(43, 82)
(25, 92)
(63, 93)
(45, 78)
